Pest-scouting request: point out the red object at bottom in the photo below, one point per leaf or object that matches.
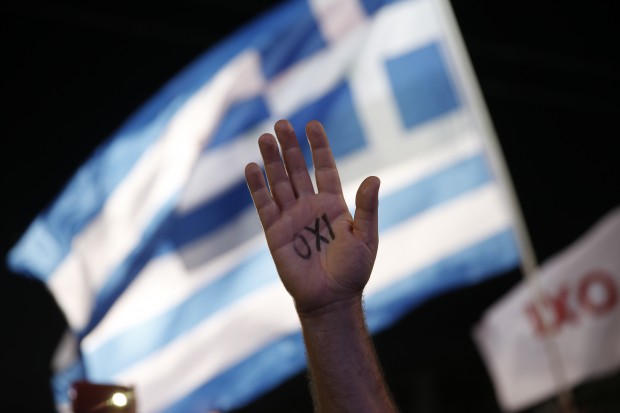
(89, 397)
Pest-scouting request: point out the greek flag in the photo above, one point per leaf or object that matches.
(154, 251)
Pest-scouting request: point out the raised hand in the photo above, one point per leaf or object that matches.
(324, 258)
(323, 255)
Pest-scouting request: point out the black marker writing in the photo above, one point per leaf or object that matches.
(304, 251)
(329, 227)
(318, 235)
(308, 252)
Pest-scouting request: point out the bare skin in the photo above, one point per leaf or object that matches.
(324, 257)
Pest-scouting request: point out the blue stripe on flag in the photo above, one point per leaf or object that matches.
(131, 346)
(281, 47)
(484, 260)
(141, 341)
(240, 117)
(284, 357)
(371, 6)
(441, 187)
(121, 277)
(207, 218)
(422, 87)
(257, 374)
(63, 379)
(339, 118)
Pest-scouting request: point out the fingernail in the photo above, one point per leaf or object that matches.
(282, 123)
(315, 126)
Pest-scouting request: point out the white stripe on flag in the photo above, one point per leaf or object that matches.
(403, 27)
(337, 17)
(168, 281)
(471, 218)
(219, 342)
(214, 162)
(237, 331)
(154, 180)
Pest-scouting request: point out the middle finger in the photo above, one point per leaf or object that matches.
(278, 180)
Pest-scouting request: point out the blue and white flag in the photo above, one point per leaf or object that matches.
(154, 251)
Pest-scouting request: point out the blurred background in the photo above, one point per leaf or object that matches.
(73, 71)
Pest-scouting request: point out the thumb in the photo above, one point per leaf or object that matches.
(366, 220)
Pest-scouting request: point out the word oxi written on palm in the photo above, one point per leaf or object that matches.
(304, 250)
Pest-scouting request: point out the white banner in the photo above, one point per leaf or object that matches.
(580, 309)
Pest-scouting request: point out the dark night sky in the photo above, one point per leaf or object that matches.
(73, 71)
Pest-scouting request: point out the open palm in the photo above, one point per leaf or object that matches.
(323, 255)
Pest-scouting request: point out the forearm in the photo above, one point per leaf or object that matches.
(345, 373)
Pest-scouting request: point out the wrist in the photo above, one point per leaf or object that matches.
(333, 313)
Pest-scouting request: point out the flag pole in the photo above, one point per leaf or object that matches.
(529, 261)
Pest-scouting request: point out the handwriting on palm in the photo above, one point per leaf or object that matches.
(323, 255)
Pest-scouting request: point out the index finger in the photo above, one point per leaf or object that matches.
(327, 177)
(268, 210)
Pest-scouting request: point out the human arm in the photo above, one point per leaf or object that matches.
(324, 257)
